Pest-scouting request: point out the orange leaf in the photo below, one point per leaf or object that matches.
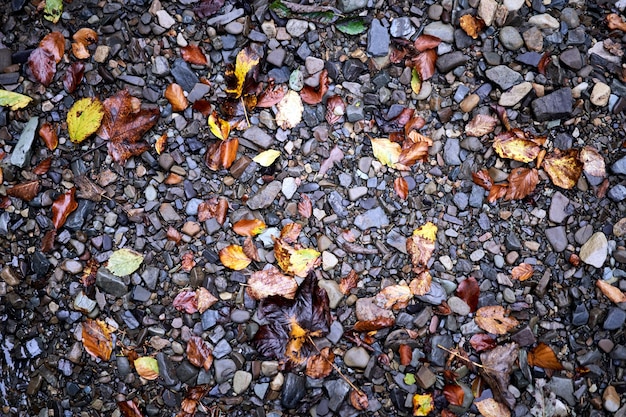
(481, 125)
(47, 243)
(218, 126)
(497, 191)
(43, 166)
(420, 285)
(25, 191)
(481, 342)
(54, 43)
(359, 400)
(593, 162)
(232, 257)
(290, 232)
(376, 324)
(249, 227)
(312, 95)
(471, 25)
(147, 367)
(188, 261)
(394, 296)
(468, 290)
(85, 36)
(199, 353)
(483, 179)
(409, 155)
(193, 397)
(426, 42)
(522, 182)
(320, 365)
(454, 394)
(272, 95)
(228, 152)
(563, 168)
(611, 292)
(160, 144)
(250, 249)
(97, 339)
(305, 207)
(349, 282)
(203, 106)
(63, 207)
(522, 272)
(423, 404)
(406, 354)
(271, 281)
(544, 357)
(80, 51)
(513, 144)
(491, 408)
(193, 54)
(421, 246)
(493, 320)
(214, 208)
(615, 21)
(48, 134)
(176, 96)
(424, 64)
(401, 187)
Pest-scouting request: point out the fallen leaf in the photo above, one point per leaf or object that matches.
(305, 207)
(401, 188)
(454, 394)
(406, 354)
(424, 64)
(612, 293)
(199, 353)
(203, 106)
(371, 325)
(503, 115)
(615, 21)
(82, 39)
(43, 166)
(426, 42)
(423, 404)
(249, 227)
(359, 400)
(80, 51)
(90, 272)
(483, 179)
(204, 299)
(271, 281)
(492, 319)
(522, 182)
(54, 43)
(266, 158)
(386, 151)
(232, 257)
(421, 246)
(471, 25)
(298, 262)
(97, 338)
(161, 142)
(272, 95)
(468, 290)
(351, 26)
(481, 125)
(87, 189)
(336, 155)
(514, 145)
(129, 409)
(522, 272)
(335, 109)
(593, 162)
(14, 101)
(84, 118)
(320, 365)
(563, 168)
(416, 81)
(420, 285)
(544, 357)
(394, 297)
(497, 191)
(62, 207)
(147, 367)
(42, 66)
(221, 154)
(247, 59)
(53, 10)
(290, 110)
(290, 232)
(219, 127)
(124, 262)
(481, 342)
(413, 152)
(47, 242)
(312, 95)
(491, 408)
(497, 366)
(186, 301)
(194, 395)
(48, 134)
(193, 54)
(349, 282)
(214, 208)
(25, 191)
(187, 261)
(415, 123)
(124, 124)
(176, 96)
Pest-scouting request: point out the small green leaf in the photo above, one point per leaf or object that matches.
(13, 100)
(323, 18)
(409, 379)
(279, 8)
(416, 81)
(351, 26)
(124, 262)
(52, 11)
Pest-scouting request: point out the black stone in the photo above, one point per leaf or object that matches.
(183, 75)
(39, 264)
(352, 69)
(293, 391)
(553, 106)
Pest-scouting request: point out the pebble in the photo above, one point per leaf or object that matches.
(184, 75)
(23, 149)
(580, 316)
(533, 38)
(450, 61)
(559, 208)
(289, 187)
(619, 167)
(562, 387)
(337, 390)
(313, 65)
(265, 196)
(293, 390)
(277, 57)
(553, 106)
(458, 306)
(511, 38)
(443, 31)
(503, 76)
(452, 152)
(617, 193)
(348, 6)
(572, 58)
(401, 27)
(256, 138)
(375, 217)
(515, 94)
(378, 39)
(332, 289)
(329, 261)
(168, 213)
(241, 381)
(544, 21)
(594, 251)
(165, 20)
(614, 319)
(487, 11)
(557, 237)
(110, 283)
(224, 369)
(513, 5)
(297, 27)
(610, 399)
(356, 357)
(600, 94)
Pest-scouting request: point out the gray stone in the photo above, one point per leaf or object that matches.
(461, 200)
(375, 217)
(619, 167)
(443, 31)
(614, 319)
(187, 373)
(161, 66)
(355, 112)
(224, 369)
(580, 316)
(110, 283)
(332, 290)
(401, 27)
(515, 94)
(167, 372)
(356, 357)
(487, 10)
(355, 193)
(594, 251)
(438, 356)
(511, 38)
(183, 75)
(277, 57)
(425, 378)
(191, 209)
(450, 61)
(337, 390)
(348, 6)
(559, 208)
(570, 17)
(168, 213)
(335, 200)
(241, 381)
(458, 306)
(294, 389)
(225, 18)
(256, 138)
(378, 39)
(557, 238)
(504, 76)
(141, 294)
(396, 240)
(150, 276)
(572, 58)
(452, 152)
(313, 65)
(198, 92)
(435, 296)
(617, 193)
(297, 27)
(562, 387)
(23, 149)
(553, 106)
(165, 20)
(265, 196)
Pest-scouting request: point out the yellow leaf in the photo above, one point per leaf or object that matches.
(512, 145)
(147, 367)
(427, 231)
(563, 168)
(491, 408)
(13, 100)
(302, 261)
(52, 11)
(416, 81)
(84, 118)
(124, 262)
(290, 110)
(386, 151)
(219, 127)
(422, 404)
(266, 158)
(232, 256)
(246, 60)
(493, 320)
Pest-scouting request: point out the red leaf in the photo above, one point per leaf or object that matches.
(312, 95)
(272, 95)
(401, 187)
(73, 76)
(424, 63)
(376, 324)
(63, 207)
(48, 134)
(335, 109)
(414, 123)
(497, 191)
(47, 243)
(454, 394)
(42, 65)
(193, 54)
(305, 207)
(186, 301)
(199, 353)
(43, 166)
(349, 282)
(174, 235)
(468, 290)
(483, 179)
(481, 342)
(54, 43)
(522, 182)
(426, 42)
(25, 191)
(203, 106)
(406, 354)
(129, 409)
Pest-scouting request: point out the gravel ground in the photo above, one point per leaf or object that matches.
(557, 67)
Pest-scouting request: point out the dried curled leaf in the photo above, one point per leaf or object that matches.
(497, 366)
(394, 297)
(544, 357)
(406, 354)
(522, 182)
(25, 191)
(563, 168)
(421, 246)
(454, 394)
(491, 408)
(305, 207)
(320, 365)
(193, 54)
(312, 95)
(246, 61)
(219, 127)
(483, 179)
(349, 282)
(82, 39)
(371, 325)
(298, 262)
(481, 342)
(481, 125)
(271, 281)
(214, 208)
(129, 409)
(199, 353)
(175, 94)
(493, 319)
(358, 400)
(272, 95)
(335, 109)
(472, 25)
(468, 290)
(63, 207)
(97, 339)
(420, 285)
(401, 188)
(232, 257)
(522, 272)
(73, 76)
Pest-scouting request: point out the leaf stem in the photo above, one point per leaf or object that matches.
(456, 355)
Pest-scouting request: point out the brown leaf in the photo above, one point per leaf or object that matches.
(193, 54)
(376, 324)
(239, 77)
(199, 353)
(593, 162)
(522, 182)
(290, 232)
(48, 134)
(406, 354)
(176, 96)
(272, 95)
(312, 95)
(203, 106)
(612, 293)
(85, 36)
(420, 285)
(424, 64)
(544, 357)
(481, 342)
(468, 290)
(349, 282)
(481, 125)
(471, 25)
(80, 51)
(186, 301)
(491, 408)
(497, 366)
(73, 76)
(483, 179)
(232, 257)
(271, 281)
(426, 42)
(335, 109)
(43, 166)
(214, 208)
(414, 123)
(493, 320)
(320, 365)
(161, 142)
(293, 261)
(250, 249)
(421, 246)
(97, 339)
(193, 397)
(54, 43)
(522, 272)
(63, 207)
(305, 207)
(129, 409)
(187, 261)
(545, 59)
(25, 191)
(249, 227)
(514, 144)
(358, 400)
(42, 65)
(497, 191)
(401, 188)
(174, 235)
(47, 243)
(563, 168)
(454, 393)
(415, 151)
(615, 21)
(336, 155)
(503, 115)
(87, 189)
(124, 124)
(394, 297)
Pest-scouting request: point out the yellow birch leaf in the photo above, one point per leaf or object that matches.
(512, 146)
(124, 262)
(219, 127)
(246, 60)
(13, 100)
(266, 158)
(422, 404)
(428, 231)
(147, 367)
(563, 168)
(232, 256)
(416, 81)
(84, 118)
(302, 261)
(386, 151)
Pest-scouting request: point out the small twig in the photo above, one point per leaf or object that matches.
(460, 357)
(89, 151)
(245, 111)
(336, 368)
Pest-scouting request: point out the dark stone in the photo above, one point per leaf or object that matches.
(450, 61)
(563, 141)
(614, 319)
(352, 69)
(524, 337)
(39, 264)
(76, 219)
(209, 319)
(580, 316)
(572, 58)
(529, 58)
(294, 389)
(378, 39)
(166, 370)
(187, 373)
(553, 106)
(438, 356)
(183, 75)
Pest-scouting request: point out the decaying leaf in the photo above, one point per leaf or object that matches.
(290, 110)
(481, 125)
(335, 109)
(129, 408)
(43, 166)
(421, 246)
(563, 168)
(454, 394)
(522, 272)
(249, 227)
(73, 76)
(82, 39)
(218, 126)
(54, 43)
(194, 394)
(472, 25)
(124, 124)
(359, 400)
(25, 191)
(272, 95)
(424, 64)
(214, 208)
(305, 207)
(406, 354)
(371, 325)
(493, 319)
(386, 151)
(320, 365)
(193, 54)
(426, 42)
(615, 21)
(612, 293)
(491, 408)
(161, 142)
(187, 261)
(14, 101)
(349, 282)
(221, 154)
(468, 290)
(497, 366)
(266, 158)
(413, 151)
(199, 353)
(84, 118)
(207, 8)
(191, 302)
(232, 257)
(423, 404)
(522, 182)
(97, 338)
(175, 94)
(416, 81)
(124, 262)
(204, 299)
(48, 134)
(497, 191)
(247, 59)
(401, 188)
(312, 95)
(298, 262)
(420, 285)
(544, 357)
(483, 179)
(336, 155)
(514, 144)
(394, 297)
(481, 342)
(53, 10)
(88, 189)
(270, 281)
(147, 367)
(593, 162)
(63, 206)
(42, 66)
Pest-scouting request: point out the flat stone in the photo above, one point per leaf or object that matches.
(557, 238)
(313, 65)
(23, 149)
(378, 39)
(257, 138)
(289, 187)
(511, 38)
(356, 357)
(513, 5)
(183, 75)
(355, 193)
(425, 378)
(297, 27)
(401, 27)
(277, 57)
(594, 251)
(600, 94)
(337, 390)
(614, 319)
(168, 213)
(572, 58)
(619, 167)
(294, 389)
(110, 283)
(167, 371)
(165, 20)
(438, 356)
(375, 217)
(443, 31)
(435, 296)
(617, 193)
(329, 261)
(161, 66)
(452, 152)
(562, 387)
(555, 105)
(224, 369)
(533, 38)
(458, 306)
(241, 381)
(487, 11)
(450, 61)
(544, 21)
(332, 290)
(515, 94)
(504, 76)
(265, 196)
(559, 208)
(580, 316)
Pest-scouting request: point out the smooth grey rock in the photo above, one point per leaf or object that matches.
(557, 238)
(401, 27)
(435, 296)
(452, 152)
(167, 372)
(580, 316)
(348, 6)
(294, 389)
(257, 137)
(559, 208)
(617, 193)
(356, 357)
(23, 149)
(503, 76)
(265, 196)
(511, 38)
(450, 61)
(443, 31)
(187, 373)
(161, 66)
(241, 381)
(110, 283)
(438, 356)
(224, 369)
(337, 390)
(572, 58)
(614, 319)
(619, 167)
(553, 106)
(594, 251)
(375, 217)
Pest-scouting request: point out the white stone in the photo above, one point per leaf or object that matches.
(487, 10)
(513, 5)
(600, 94)
(544, 21)
(329, 261)
(165, 20)
(515, 94)
(289, 187)
(594, 251)
(333, 291)
(241, 381)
